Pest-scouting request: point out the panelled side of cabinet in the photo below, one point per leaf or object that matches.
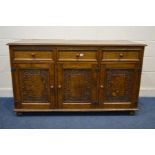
(76, 76)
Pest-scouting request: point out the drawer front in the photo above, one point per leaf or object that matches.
(33, 55)
(77, 55)
(118, 55)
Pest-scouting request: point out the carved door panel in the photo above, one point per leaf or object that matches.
(77, 85)
(119, 85)
(34, 86)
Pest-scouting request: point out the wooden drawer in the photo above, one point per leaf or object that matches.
(33, 55)
(120, 56)
(77, 55)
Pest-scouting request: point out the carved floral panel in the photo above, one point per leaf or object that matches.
(34, 85)
(118, 85)
(77, 85)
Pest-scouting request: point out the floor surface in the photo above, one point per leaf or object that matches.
(144, 118)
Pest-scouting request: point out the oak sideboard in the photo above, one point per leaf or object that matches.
(75, 75)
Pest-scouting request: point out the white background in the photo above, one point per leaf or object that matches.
(143, 34)
(77, 13)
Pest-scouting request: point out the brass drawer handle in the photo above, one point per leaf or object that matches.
(121, 55)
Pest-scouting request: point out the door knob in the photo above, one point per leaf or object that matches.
(59, 86)
(77, 55)
(101, 86)
(52, 86)
(117, 91)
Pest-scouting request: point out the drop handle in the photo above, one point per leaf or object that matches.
(59, 86)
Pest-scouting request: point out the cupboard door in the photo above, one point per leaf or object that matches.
(34, 84)
(77, 85)
(119, 85)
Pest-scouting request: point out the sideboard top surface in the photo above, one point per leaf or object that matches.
(77, 42)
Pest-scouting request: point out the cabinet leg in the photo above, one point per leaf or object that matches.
(132, 112)
(19, 113)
